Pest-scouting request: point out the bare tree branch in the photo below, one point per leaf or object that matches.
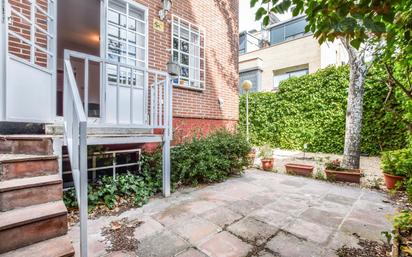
(390, 73)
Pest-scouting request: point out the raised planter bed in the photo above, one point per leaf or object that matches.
(299, 169)
(351, 176)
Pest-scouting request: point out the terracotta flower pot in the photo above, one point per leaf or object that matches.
(351, 176)
(267, 164)
(299, 169)
(392, 180)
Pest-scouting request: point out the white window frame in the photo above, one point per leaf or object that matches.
(201, 58)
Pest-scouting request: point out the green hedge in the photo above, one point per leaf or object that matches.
(311, 109)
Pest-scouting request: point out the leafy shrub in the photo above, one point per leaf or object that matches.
(209, 159)
(398, 162)
(201, 160)
(311, 110)
(109, 191)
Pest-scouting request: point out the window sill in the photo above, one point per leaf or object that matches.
(189, 88)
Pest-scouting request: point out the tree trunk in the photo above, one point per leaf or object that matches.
(354, 110)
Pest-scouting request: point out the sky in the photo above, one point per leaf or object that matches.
(247, 16)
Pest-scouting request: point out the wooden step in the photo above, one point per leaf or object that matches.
(14, 166)
(55, 247)
(23, 192)
(25, 226)
(26, 144)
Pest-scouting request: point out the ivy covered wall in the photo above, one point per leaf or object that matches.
(311, 109)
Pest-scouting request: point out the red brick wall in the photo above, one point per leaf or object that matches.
(219, 18)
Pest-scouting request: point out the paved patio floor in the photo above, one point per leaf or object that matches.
(258, 214)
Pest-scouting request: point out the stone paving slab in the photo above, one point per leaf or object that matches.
(225, 244)
(291, 246)
(253, 230)
(259, 214)
(195, 229)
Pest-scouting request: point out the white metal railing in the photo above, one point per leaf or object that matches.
(149, 92)
(75, 136)
(156, 107)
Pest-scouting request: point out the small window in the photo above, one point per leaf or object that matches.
(280, 77)
(189, 51)
(242, 43)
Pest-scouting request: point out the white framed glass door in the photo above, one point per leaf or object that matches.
(125, 42)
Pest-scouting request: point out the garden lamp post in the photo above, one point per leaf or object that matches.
(247, 85)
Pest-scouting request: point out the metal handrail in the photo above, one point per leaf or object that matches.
(75, 124)
(75, 136)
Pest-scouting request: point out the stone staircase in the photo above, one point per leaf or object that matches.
(33, 218)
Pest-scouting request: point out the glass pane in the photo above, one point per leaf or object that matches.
(140, 54)
(184, 47)
(191, 73)
(140, 78)
(140, 64)
(175, 56)
(141, 41)
(131, 62)
(185, 59)
(116, 33)
(197, 51)
(295, 28)
(118, 19)
(131, 37)
(132, 24)
(136, 13)
(111, 73)
(276, 35)
(192, 61)
(185, 72)
(132, 51)
(175, 43)
(184, 33)
(116, 47)
(141, 27)
(175, 29)
(197, 63)
(194, 38)
(117, 5)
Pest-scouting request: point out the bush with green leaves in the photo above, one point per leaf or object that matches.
(311, 109)
(398, 162)
(109, 191)
(208, 159)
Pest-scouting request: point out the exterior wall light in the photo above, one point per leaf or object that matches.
(173, 68)
(167, 5)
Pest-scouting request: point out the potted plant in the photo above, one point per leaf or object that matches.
(266, 157)
(299, 169)
(335, 172)
(396, 165)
